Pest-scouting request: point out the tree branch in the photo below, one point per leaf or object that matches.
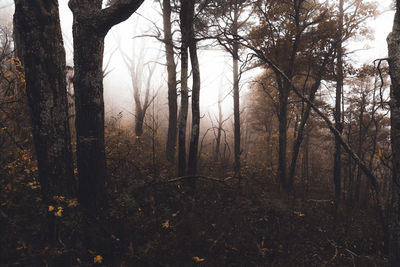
(116, 13)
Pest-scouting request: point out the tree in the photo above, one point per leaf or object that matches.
(39, 45)
(318, 73)
(186, 25)
(338, 101)
(90, 25)
(229, 18)
(140, 84)
(284, 34)
(194, 138)
(350, 22)
(172, 83)
(393, 41)
(189, 43)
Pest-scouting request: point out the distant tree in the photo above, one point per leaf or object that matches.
(350, 23)
(316, 72)
(285, 35)
(221, 20)
(141, 74)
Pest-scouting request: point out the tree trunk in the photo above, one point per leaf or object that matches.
(305, 172)
(40, 46)
(220, 125)
(337, 114)
(194, 139)
(393, 41)
(139, 120)
(90, 26)
(172, 96)
(283, 103)
(236, 107)
(299, 139)
(185, 29)
(360, 151)
(88, 86)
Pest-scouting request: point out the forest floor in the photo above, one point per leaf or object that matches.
(221, 224)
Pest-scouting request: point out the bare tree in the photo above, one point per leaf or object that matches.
(141, 74)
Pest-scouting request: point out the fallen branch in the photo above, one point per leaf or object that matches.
(320, 200)
(188, 177)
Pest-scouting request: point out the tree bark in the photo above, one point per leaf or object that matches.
(88, 85)
(90, 26)
(393, 41)
(40, 46)
(172, 96)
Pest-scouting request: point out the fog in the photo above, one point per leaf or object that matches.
(215, 64)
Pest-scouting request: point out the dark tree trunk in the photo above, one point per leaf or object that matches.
(219, 130)
(282, 118)
(236, 107)
(194, 139)
(172, 96)
(139, 120)
(39, 44)
(394, 70)
(305, 172)
(88, 85)
(359, 151)
(299, 139)
(349, 185)
(236, 95)
(185, 29)
(337, 114)
(90, 26)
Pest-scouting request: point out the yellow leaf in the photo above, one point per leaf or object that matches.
(51, 208)
(197, 259)
(58, 213)
(165, 224)
(98, 259)
(59, 198)
(174, 214)
(298, 213)
(72, 203)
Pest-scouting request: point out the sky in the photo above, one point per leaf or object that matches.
(215, 65)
